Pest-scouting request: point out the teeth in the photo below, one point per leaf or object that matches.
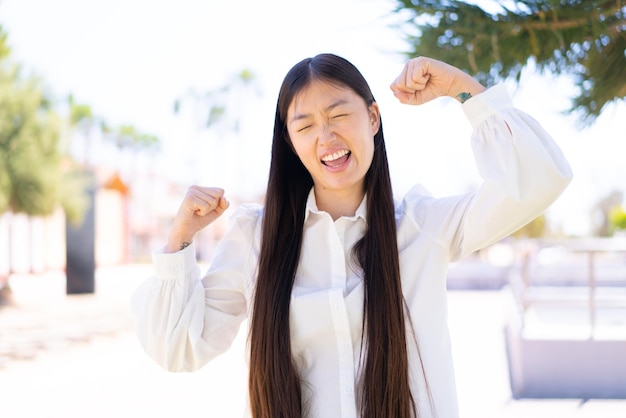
(335, 155)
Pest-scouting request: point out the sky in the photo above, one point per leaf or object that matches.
(131, 59)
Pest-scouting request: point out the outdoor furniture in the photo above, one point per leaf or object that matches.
(566, 326)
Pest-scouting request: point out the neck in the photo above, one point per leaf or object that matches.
(338, 203)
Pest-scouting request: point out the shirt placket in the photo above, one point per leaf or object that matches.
(341, 322)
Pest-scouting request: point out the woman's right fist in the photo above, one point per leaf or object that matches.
(200, 207)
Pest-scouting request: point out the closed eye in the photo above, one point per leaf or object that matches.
(304, 128)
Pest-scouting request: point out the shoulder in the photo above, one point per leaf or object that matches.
(416, 197)
(247, 211)
(247, 216)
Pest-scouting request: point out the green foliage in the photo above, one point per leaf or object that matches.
(36, 173)
(601, 212)
(73, 192)
(32, 177)
(4, 46)
(29, 146)
(246, 76)
(534, 229)
(127, 136)
(617, 219)
(79, 112)
(584, 38)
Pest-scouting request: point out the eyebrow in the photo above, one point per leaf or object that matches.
(300, 116)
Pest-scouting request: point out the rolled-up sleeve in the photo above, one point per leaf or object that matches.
(184, 320)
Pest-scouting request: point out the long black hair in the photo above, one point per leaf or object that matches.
(274, 382)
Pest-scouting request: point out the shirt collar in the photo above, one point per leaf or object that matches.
(311, 207)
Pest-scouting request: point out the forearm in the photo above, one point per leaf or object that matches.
(177, 242)
(465, 87)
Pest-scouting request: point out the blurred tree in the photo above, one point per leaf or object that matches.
(128, 137)
(86, 126)
(141, 231)
(83, 123)
(600, 212)
(584, 38)
(32, 178)
(125, 137)
(216, 102)
(30, 157)
(131, 141)
(617, 219)
(4, 45)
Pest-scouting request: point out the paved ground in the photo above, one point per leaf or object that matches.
(76, 356)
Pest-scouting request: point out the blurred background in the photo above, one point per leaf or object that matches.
(110, 110)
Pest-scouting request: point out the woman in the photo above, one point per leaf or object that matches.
(344, 287)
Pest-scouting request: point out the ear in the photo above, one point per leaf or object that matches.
(374, 112)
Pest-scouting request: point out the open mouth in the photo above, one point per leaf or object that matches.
(336, 159)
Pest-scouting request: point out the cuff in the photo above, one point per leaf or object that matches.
(172, 266)
(484, 105)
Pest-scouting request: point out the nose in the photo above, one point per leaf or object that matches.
(326, 135)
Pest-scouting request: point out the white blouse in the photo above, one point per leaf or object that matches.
(185, 320)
